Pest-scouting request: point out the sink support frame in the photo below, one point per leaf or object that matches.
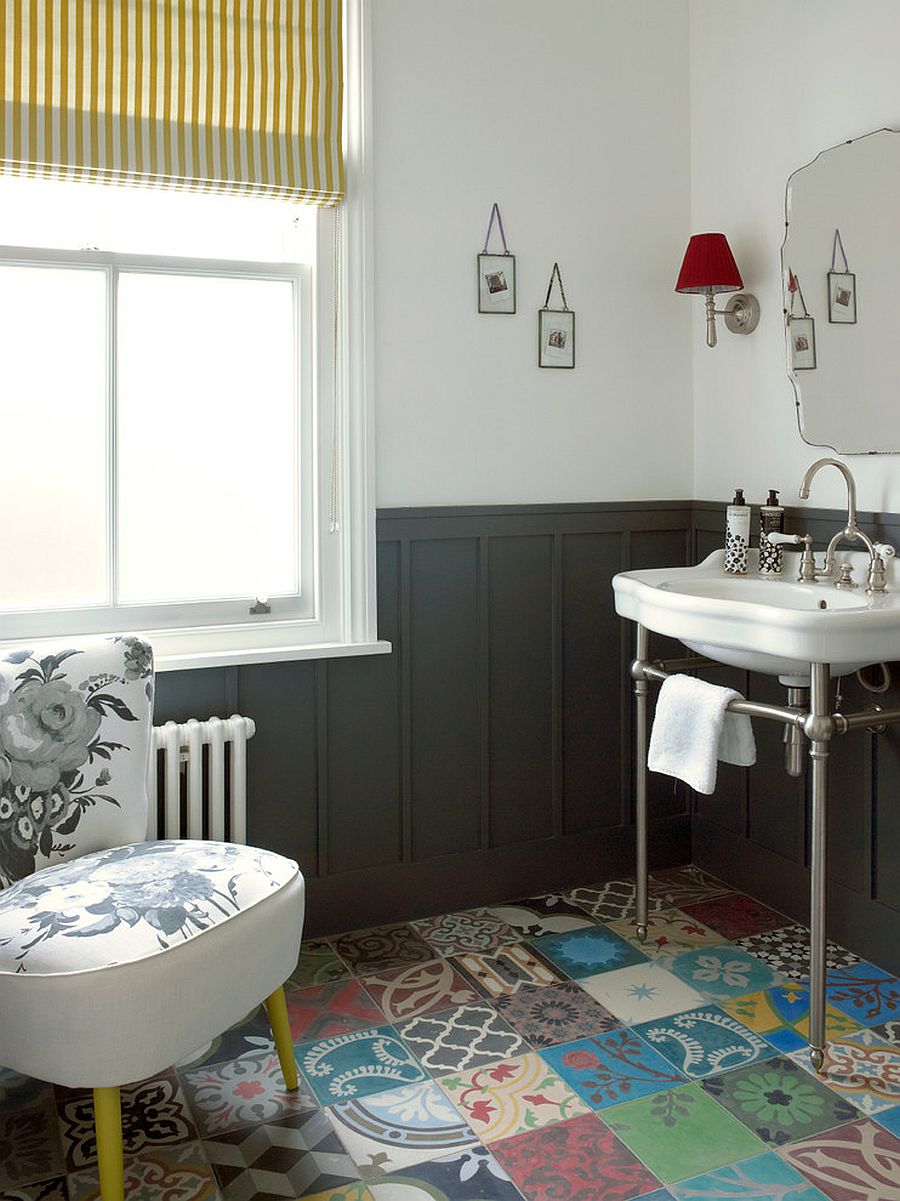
(819, 725)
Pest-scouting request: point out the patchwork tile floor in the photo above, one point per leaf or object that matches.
(529, 1051)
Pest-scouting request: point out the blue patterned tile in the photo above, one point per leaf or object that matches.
(865, 993)
(588, 951)
(358, 1064)
(612, 1068)
(391, 1130)
(762, 1178)
(704, 1041)
(889, 1119)
(469, 1175)
(722, 972)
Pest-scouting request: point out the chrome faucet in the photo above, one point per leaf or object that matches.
(809, 571)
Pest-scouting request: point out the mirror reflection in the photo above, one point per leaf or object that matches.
(843, 238)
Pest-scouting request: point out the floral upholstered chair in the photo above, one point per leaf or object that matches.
(118, 957)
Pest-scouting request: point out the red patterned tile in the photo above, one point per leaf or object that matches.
(408, 992)
(326, 1010)
(736, 915)
(856, 1162)
(574, 1160)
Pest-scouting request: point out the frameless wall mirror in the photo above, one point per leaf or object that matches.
(842, 217)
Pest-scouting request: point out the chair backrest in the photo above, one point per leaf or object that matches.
(75, 731)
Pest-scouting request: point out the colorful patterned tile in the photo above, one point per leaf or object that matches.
(318, 963)
(864, 992)
(353, 1190)
(29, 1144)
(782, 1015)
(293, 1157)
(722, 972)
(735, 915)
(324, 1010)
(612, 901)
(369, 952)
(779, 1101)
(640, 993)
(682, 886)
(511, 1097)
(468, 1036)
(669, 932)
(612, 1068)
(787, 951)
(856, 1162)
(704, 1041)
(179, 1172)
(242, 1092)
(408, 992)
(580, 1158)
(507, 970)
(474, 930)
(357, 1064)
(588, 951)
(154, 1114)
(41, 1190)
(472, 1174)
(401, 1126)
(889, 1031)
(550, 914)
(555, 1014)
(862, 1067)
(889, 1119)
(681, 1133)
(251, 1034)
(763, 1178)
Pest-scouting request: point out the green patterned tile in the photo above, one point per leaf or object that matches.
(681, 1132)
(319, 963)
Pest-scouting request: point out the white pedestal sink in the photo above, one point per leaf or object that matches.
(773, 625)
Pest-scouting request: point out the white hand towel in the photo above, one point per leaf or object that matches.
(692, 731)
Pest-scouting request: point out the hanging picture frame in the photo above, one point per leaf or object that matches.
(801, 330)
(841, 287)
(556, 329)
(496, 273)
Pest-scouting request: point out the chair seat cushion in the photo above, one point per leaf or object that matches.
(118, 906)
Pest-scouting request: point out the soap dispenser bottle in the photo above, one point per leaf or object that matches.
(771, 520)
(737, 534)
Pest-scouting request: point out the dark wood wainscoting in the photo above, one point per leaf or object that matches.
(489, 755)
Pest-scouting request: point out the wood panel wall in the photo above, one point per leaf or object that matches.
(489, 756)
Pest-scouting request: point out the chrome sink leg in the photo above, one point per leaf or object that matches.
(641, 690)
(819, 728)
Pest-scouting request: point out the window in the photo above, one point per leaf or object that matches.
(185, 417)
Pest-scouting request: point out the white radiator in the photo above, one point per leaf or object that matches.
(198, 779)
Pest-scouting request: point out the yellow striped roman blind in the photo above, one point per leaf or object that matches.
(211, 95)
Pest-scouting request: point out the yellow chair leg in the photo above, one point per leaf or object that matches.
(276, 1007)
(108, 1124)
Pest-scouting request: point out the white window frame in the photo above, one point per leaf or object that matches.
(343, 619)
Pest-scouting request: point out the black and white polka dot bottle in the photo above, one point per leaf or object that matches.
(737, 534)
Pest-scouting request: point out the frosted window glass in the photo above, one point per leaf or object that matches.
(53, 405)
(206, 437)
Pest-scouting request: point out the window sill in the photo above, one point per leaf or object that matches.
(187, 660)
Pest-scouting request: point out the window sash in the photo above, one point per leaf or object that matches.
(301, 609)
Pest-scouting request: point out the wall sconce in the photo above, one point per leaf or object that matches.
(709, 267)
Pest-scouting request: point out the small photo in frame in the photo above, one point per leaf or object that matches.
(496, 283)
(556, 338)
(842, 298)
(802, 340)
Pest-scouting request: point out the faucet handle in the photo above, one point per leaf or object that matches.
(884, 550)
(777, 538)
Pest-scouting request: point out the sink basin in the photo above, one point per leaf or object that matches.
(774, 625)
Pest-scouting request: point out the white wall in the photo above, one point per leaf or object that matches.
(772, 84)
(574, 116)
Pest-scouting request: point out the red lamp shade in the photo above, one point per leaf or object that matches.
(708, 266)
